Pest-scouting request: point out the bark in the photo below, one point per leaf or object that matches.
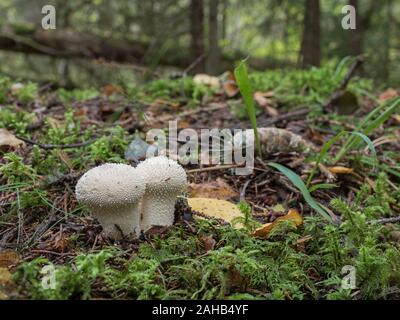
(213, 58)
(356, 35)
(311, 47)
(197, 33)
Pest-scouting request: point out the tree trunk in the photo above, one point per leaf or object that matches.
(310, 47)
(356, 35)
(213, 58)
(197, 33)
(224, 19)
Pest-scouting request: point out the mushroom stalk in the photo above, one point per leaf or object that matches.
(165, 180)
(157, 211)
(115, 226)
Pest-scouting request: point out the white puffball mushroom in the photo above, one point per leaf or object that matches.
(165, 180)
(113, 192)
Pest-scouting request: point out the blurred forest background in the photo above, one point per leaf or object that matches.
(98, 42)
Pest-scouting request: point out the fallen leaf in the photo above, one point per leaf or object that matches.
(293, 215)
(5, 282)
(340, 170)
(215, 208)
(7, 139)
(388, 94)
(230, 88)
(396, 117)
(209, 242)
(217, 189)
(8, 258)
(5, 276)
(109, 90)
(207, 80)
(61, 243)
(266, 103)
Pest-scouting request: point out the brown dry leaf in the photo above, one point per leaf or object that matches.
(388, 94)
(265, 230)
(61, 243)
(209, 242)
(396, 117)
(217, 189)
(8, 258)
(183, 124)
(109, 90)
(207, 80)
(340, 170)
(7, 139)
(230, 88)
(263, 101)
(215, 208)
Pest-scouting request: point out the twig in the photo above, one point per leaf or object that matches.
(56, 146)
(223, 167)
(243, 191)
(194, 64)
(298, 114)
(342, 87)
(386, 220)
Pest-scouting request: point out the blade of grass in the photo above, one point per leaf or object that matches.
(299, 184)
(368, 125)
(242, 80)
(321, 186)
(325, 148)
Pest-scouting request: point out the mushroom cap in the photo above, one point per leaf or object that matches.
(163, 176)
(110, 185)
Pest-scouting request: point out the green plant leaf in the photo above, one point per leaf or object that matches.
(242, 80)
(299, 184)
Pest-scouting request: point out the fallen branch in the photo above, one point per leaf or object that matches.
(223, 167)
(386, 220)
(297, 114)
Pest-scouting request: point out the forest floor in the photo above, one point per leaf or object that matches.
(347, 215)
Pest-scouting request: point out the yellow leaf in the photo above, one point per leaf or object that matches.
(8, 258)
(5, 276)
(340, 170)
(214, 208)
(293, 215)
(5, 281)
